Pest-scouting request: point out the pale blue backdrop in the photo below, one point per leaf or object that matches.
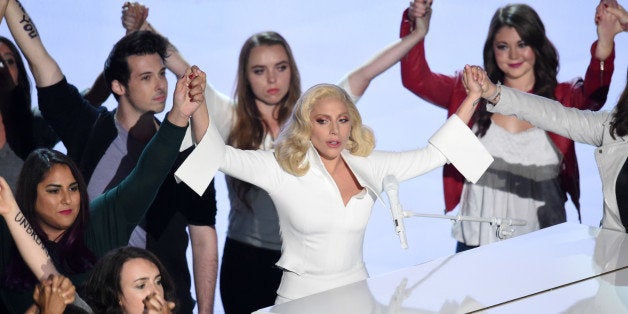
(329, 38)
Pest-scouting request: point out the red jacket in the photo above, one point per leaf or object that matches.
(448, 92)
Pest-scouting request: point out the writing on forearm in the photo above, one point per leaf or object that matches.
(21, 220)
(27, 23)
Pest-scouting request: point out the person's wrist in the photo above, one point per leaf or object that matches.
(178, 118)
(145, 26)
(11, 213)
(491, 91)
(494, 98)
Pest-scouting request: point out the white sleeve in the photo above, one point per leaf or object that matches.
(257, 167)
(222, 110)
(454, 142)
(344, 84)
(200, 167)
(462, 148)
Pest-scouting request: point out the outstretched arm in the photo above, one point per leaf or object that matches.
(361, 77)
(121, 205)
(44, 68)
(28, 243)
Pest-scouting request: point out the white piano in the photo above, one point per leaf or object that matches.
(568, 268)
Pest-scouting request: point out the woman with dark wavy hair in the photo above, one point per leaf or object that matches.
(54, 205)
(129, 280)
(533, 170)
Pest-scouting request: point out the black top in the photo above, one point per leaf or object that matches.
(621, 190)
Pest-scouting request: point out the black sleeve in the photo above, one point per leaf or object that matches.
(199, 210)
(69, 115)
(174, 197)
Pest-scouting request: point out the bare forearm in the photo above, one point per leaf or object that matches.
(467, 108)
(360, 79)
(605, 46)
(200, 123)
(45, 70)
(175, 61)
(29, 245)
(205, 266)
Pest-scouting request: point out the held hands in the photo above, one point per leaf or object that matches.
(620, 13)
(54, 294)
(608, 24)
(475, 80)
(189, 94)
(420, 12)
(154, 303)
(476, 83)
(134, 16)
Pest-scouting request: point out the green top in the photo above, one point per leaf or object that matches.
(113, 215)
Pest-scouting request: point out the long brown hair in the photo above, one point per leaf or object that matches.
(529, 26)
(249, 129)
(15, 108)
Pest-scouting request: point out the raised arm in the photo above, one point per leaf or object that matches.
(360, 78)
(196, 110)
(124, 205)
(28, 243)
(582, 126)
(416, 74)
(44, 68)
(134, 18)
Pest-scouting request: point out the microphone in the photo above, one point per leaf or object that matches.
(391, 186)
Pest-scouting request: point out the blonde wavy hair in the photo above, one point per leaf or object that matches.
(294, 139)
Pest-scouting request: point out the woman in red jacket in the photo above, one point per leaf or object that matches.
(533, 169)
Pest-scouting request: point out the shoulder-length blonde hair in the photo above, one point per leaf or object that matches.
(294, 139)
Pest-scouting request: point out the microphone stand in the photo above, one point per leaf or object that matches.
(505, 226)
